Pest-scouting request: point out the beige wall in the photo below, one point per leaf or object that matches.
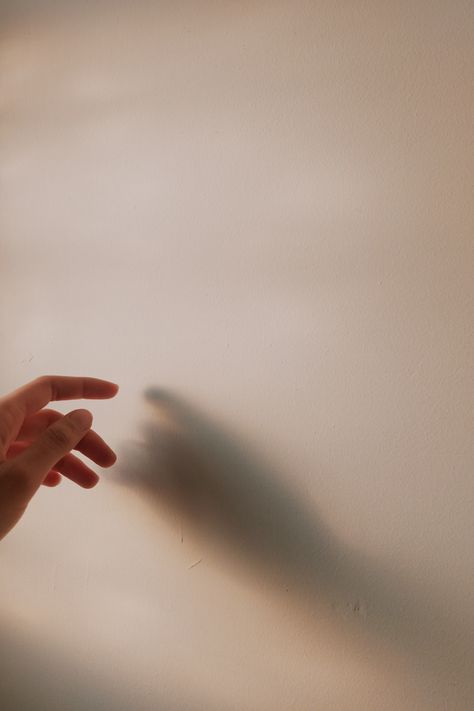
(257, 217)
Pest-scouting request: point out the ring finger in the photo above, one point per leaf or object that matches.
(70, 465)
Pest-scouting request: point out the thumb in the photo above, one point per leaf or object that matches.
(53, 444)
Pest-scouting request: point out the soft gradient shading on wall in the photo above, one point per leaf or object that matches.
(257, 218)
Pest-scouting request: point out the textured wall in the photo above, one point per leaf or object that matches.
(257, 218)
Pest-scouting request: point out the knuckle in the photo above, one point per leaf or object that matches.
(58, 437)
(50, 412)
(46, 382)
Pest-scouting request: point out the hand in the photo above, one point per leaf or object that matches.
(35, 444)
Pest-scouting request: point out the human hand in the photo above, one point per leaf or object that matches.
(35, 443)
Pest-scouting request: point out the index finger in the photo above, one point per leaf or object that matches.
(39, 392)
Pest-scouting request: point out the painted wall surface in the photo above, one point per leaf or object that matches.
(257, 218)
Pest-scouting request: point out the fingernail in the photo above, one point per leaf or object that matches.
(81, 418)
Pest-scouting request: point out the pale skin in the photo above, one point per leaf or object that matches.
(36, 442)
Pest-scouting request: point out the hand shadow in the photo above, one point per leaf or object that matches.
(239, 509)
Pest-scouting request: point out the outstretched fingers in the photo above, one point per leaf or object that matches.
(70, 466)
(91, 445)
(28, 399)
